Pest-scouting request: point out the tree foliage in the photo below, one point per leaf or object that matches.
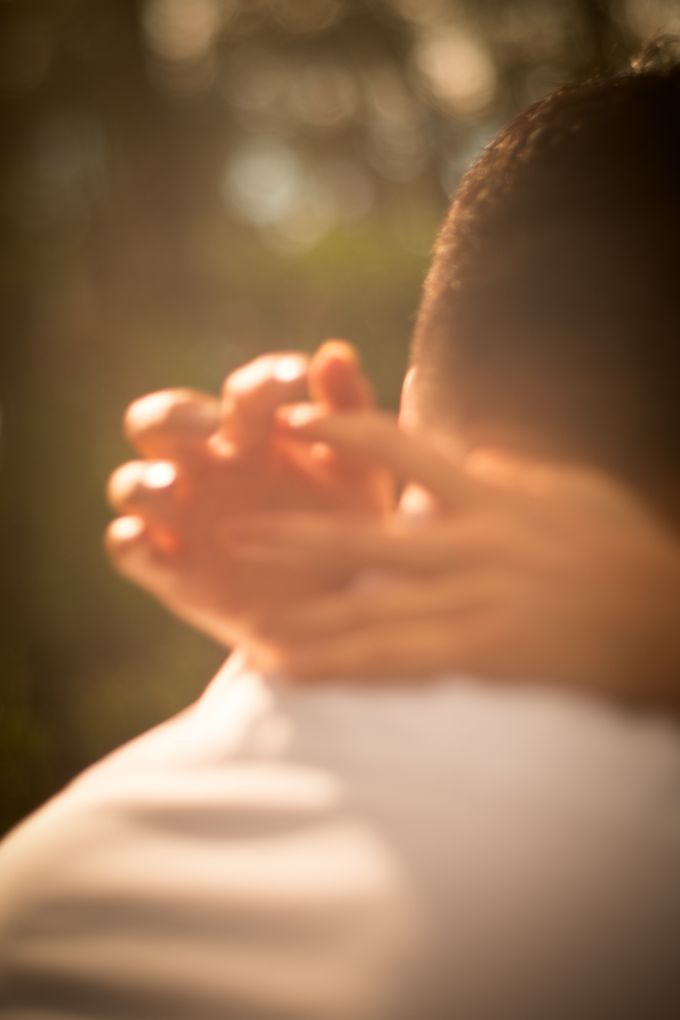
(185, 183)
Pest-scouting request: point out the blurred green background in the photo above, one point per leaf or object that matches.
(185, 184)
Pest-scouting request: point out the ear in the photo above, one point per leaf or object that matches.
(415, 501)
(407, 406)
(411, 416)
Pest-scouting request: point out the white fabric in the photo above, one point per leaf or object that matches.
(457, 850)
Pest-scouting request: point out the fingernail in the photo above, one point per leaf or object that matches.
(339, 348)
(290, 368)
(160, 475)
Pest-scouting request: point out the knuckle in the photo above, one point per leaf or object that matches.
(140, 482)
(164, 410)
(264, 376)
(189, 410)
(123, 482)
(147, 412)
(121, 535)
(246, 378)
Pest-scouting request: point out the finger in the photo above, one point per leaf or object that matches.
(144, 487)
(135, 555)
(376, 438)
(171, 423)
(337, 383)
(547, 492)
(319, 541)
(376, 654)
(252, 394)
(148, 489)
(336, 379)
(340, 615)
(322, 541)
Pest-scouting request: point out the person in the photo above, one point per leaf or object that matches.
(528, 572)
(449, 850)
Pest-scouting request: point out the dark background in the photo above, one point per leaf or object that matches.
(185, 184)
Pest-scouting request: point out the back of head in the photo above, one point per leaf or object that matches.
(551, 314)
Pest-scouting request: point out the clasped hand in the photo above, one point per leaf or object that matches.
(273, 527)
(208, 461)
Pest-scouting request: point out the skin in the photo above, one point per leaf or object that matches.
(527, 572)
(523, 570)
(205, 460)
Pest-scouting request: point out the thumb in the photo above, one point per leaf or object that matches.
(374, 438)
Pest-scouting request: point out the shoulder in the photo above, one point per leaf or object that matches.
(169, 878)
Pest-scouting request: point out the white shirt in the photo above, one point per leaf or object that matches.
(457, 850)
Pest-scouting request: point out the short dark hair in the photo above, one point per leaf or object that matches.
(553, 301)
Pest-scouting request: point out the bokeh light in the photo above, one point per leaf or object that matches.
(459, 69)
(186, 184)
(181, 36)
(649, 17)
